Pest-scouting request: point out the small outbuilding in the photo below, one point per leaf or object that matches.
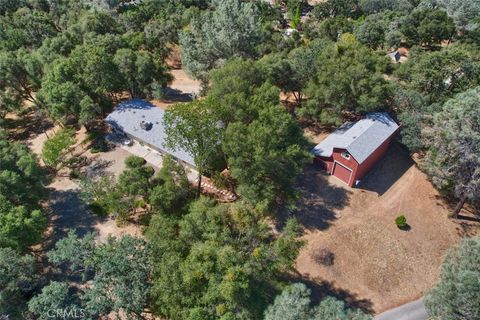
(354, 148)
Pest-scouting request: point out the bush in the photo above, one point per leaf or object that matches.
(99, 145)
(324, 257)
(75, 162)
(55, 147)
(98, 209)
(134, 162)
(74, 174)
(401, 221)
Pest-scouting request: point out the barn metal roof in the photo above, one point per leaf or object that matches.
(128, 117)
(360, 138)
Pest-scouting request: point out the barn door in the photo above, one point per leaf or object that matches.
(342, 172)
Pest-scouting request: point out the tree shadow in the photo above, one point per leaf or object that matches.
(28, 126)
(97, 168)
(174, 95)
(318, 200)
(388, 170)
(69, 212)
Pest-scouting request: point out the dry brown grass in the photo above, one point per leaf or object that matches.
(377, 266)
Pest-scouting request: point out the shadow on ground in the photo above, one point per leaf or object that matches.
(69, 213)
(27, 126)
(388, 170)
(175, 95)
(318, 200)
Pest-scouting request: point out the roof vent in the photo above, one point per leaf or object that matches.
(145, 125)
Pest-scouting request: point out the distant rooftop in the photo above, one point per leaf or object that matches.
(359, 138)
(144, 121)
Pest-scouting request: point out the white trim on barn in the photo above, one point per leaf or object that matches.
(335, 162)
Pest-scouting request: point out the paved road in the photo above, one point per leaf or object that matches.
(410, 311)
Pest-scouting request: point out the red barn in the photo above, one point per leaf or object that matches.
(354, 148)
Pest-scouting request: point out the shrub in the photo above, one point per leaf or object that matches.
(99, 145)
(55, 147)
(324, 257)
(74, 174)
(98, 209)
(75, 162)
(401, 221)
(134, 162)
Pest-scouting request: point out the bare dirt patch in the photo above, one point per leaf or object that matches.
(182, 89)
(376, 266)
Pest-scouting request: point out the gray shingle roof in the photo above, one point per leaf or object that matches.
(361, 138)
(127, 117)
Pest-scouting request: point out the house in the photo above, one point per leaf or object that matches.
(141, 121)
(354, 148)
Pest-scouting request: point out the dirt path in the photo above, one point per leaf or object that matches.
(376, 265)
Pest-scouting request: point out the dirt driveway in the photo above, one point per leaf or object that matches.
(376, 266)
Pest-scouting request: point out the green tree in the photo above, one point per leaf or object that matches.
(329, 28)
(88, 71)
(172, 192)
(134, 183)
(349, 78)
(103, 196)
(412, 112)
(293, 72)
(294, 304)
(371, 32)
(457, 295)
(20, 226)
(55, 148)
(453, 161)
(238, 90)
(25, 28)
(266, 168)
(224, 256)
(194, 128)
(21, 221)
(337, 8)
(20, 76)
(119, 270)
(60, 93)
(331, 308)
(20, 175)
(11, 5)
(18, 279)
(375, 6)
(233, 29)
(463, 12)
(122, 278)
(140, 71)
(441, 74)
(427, 27)
(54, 298)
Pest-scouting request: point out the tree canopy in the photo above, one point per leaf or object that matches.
(348, 78)
(223, 255)
(457, 294)
(21, 220)
(118, 270)
(453, 159)
(232, 29)
(294, 304)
